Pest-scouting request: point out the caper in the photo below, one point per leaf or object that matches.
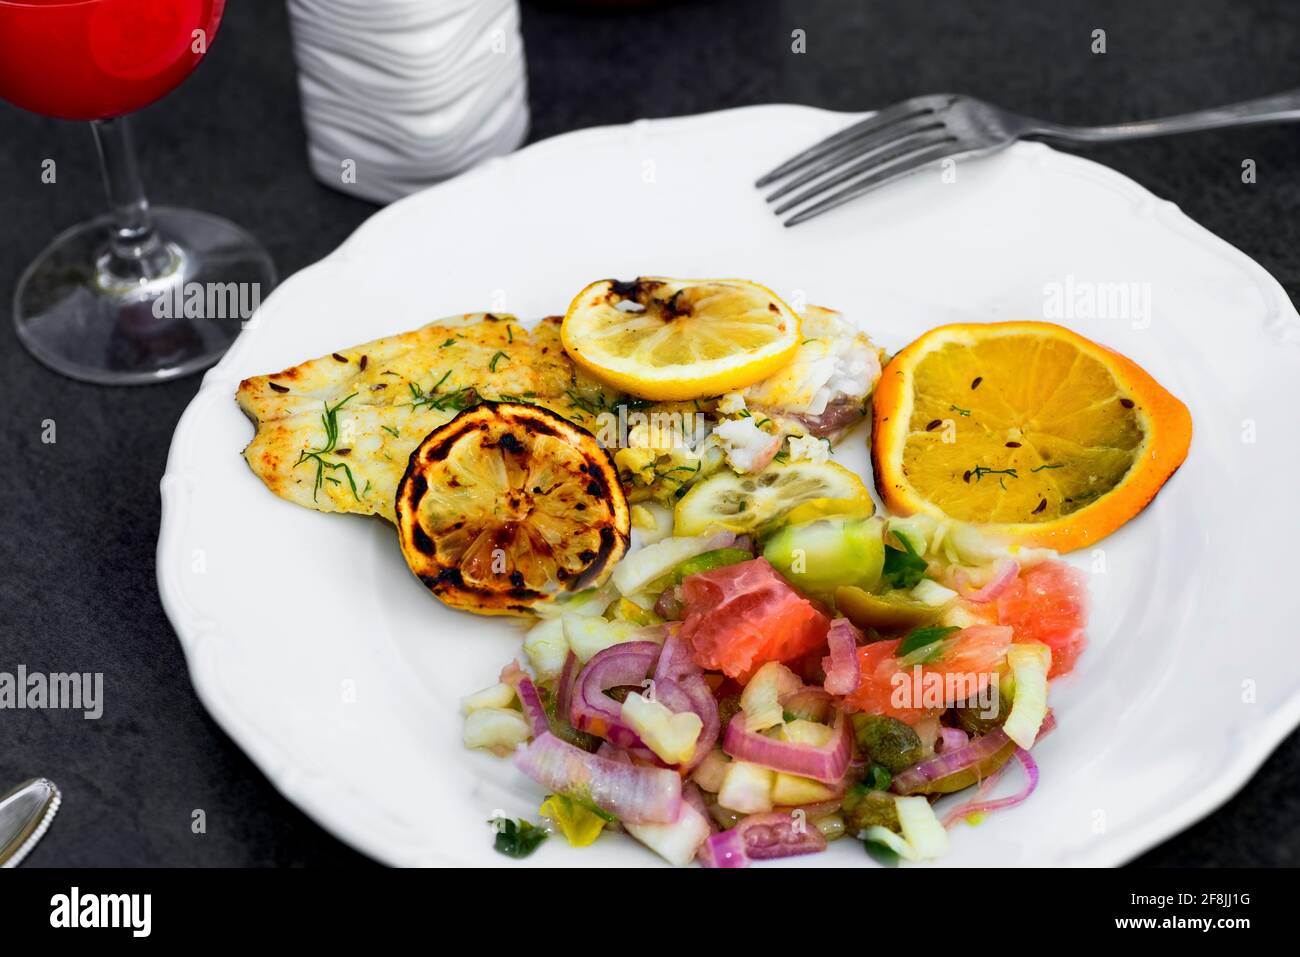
(864, 808)
(891, 612)
(974, 718)
(887, 741)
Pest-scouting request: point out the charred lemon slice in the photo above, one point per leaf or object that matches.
(676, 339)
(508, 506)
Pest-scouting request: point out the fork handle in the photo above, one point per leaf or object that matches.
(1278, 108)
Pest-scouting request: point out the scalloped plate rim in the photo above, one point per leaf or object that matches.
(335, 808)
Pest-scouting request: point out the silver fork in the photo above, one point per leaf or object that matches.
(927, 130)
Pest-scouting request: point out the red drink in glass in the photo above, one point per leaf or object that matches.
(96, 59)
(88, 305)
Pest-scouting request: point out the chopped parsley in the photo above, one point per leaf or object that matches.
(881, 853)
(878, 778)
(516, 839)
(924, 638)
(904, 568)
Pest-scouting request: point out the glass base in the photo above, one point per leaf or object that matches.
(79, 319)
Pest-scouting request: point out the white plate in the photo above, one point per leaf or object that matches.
(327, 662)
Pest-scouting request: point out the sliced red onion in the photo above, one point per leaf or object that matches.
(840, 413)
(967, 756)
(692, 694)
(843, 668)
(632, 793)
(693, 796)
(761, 837)
(565, 685)
(529, 699)
(826, 764)
(678, 672)
(950, 762)
(724, 849)
(675, 661)
(978, 805)
(1005, 571)
(679, 686)
(809, 702)
(532, 704)
(594, 711)
(951, 739)
(607, 750)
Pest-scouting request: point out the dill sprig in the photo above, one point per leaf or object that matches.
(601, 403)
(455, 400)
(667, 474)
(979, 471)
(330, 419)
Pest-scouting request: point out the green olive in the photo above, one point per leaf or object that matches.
(864, 808)
(889, 742)
(890, 612)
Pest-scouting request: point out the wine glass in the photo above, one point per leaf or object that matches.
(137, 295)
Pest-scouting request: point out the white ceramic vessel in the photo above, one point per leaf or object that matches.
(399, 94)
(330, 664)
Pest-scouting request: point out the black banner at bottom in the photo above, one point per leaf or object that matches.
(333, 907)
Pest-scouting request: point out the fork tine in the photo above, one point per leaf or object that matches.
(905, 167)
(870, 145)
(898, 151)
(878, 121)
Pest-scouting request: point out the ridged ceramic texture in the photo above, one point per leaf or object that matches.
(398, 95)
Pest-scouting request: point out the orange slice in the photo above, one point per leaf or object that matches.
(1051, 439)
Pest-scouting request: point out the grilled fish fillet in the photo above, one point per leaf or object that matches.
(335, 433)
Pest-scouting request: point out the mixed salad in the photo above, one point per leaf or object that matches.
(731, 698)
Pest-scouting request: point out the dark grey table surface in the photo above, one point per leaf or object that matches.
(79, 518)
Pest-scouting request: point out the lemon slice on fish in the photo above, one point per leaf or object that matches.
(746, 503)
(678, 339)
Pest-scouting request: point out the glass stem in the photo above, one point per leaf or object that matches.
(135, 254)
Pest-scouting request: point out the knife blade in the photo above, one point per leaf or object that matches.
(25, 816)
